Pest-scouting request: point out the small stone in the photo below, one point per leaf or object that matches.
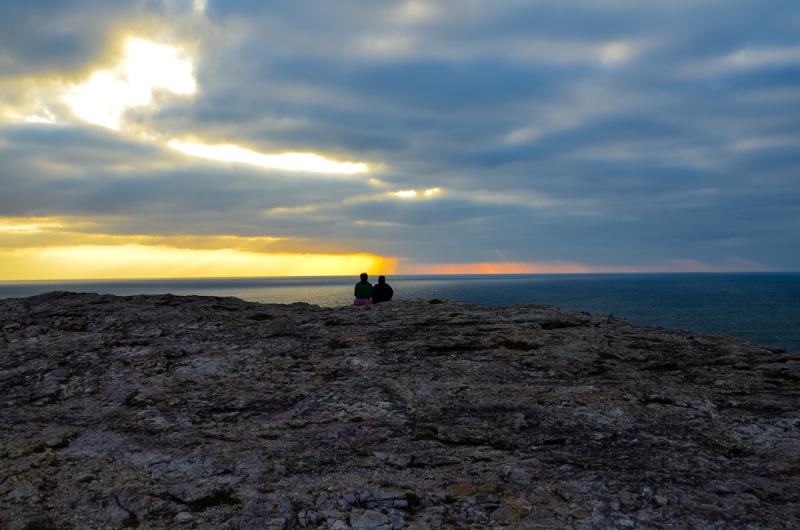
(351, 498)
(485, 497)
(502, 515)
(367, 519)
(418, 526)
(580, 513)
(15, 496)
(512, 509)
(183, 517)
(57, 441)
(85, 477)
(401, 461)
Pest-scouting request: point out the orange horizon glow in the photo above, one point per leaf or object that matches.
(151, 262)
(567, 267)
(87, 262)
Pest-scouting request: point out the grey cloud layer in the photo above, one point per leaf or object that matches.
(647, 132)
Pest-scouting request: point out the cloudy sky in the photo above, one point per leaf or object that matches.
(166, 138)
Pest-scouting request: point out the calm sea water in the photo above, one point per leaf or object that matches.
(761, 307)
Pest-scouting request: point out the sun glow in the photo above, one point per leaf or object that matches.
(106, 95)
(140, 261)
(413, 193)
(290, 161)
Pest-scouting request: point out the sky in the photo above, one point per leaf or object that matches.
(191, 138)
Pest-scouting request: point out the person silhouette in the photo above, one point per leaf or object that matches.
(382, 292)
(363, 291)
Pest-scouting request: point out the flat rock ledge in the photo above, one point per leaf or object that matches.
(206, 412)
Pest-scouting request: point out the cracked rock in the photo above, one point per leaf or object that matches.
(406, 416)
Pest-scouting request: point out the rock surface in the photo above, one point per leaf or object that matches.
(205, 412)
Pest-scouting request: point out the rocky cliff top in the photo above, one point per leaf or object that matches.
(206, 412)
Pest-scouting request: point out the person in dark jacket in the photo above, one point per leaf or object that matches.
(382, 292)
(363, 291)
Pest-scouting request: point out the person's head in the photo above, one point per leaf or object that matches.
(381, 279)
(364, 276)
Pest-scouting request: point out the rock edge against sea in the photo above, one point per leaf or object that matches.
(206, 412)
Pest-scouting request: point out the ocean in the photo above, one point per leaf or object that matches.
(760, 307)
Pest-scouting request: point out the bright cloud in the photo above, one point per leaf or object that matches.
(105, 97)
(745, 59)
(291, 161)
(28, 224)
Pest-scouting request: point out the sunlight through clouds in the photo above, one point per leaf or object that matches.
(413, 193)
(625, 135)
(28, 225)
(290, 161)
(104, 98)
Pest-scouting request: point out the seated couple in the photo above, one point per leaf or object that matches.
(366, 294)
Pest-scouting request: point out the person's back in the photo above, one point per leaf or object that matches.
(382, 292)
(363, 291)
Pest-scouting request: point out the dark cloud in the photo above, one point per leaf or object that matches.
(60, 36)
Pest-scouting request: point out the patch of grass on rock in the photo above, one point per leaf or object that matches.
(130, 397)
(413, 500)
